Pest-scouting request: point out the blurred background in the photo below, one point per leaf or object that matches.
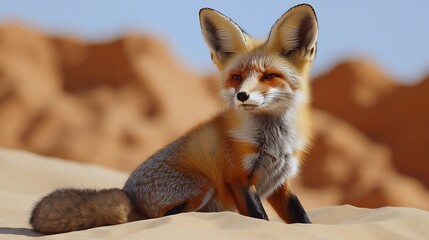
(111, 82)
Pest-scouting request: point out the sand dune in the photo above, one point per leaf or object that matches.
(25, 177)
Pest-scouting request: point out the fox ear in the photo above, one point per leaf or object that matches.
(294, 34)
(223, 36)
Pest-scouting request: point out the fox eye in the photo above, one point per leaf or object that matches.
(236, 77)
(270, 76)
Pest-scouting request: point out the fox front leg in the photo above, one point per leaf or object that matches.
(248, 201)
(287, 205)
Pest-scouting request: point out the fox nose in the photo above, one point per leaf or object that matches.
(242, 96)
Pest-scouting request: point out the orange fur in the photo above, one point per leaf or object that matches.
(278, 201)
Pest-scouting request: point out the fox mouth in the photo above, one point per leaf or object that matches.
(248, 106)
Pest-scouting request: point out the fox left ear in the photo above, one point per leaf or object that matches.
(294, 34)
(223, 36)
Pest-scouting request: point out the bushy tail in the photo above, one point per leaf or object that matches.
(68, 210)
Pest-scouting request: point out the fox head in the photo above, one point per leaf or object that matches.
(263, 75)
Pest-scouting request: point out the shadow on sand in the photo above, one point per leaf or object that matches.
(19, 231)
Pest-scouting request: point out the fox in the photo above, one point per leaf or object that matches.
(246, 153)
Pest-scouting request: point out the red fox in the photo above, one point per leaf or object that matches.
(248, 152)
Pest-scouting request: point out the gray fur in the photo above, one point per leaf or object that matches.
(277, 138)
(157, 183)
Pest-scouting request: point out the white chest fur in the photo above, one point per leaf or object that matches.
(277, 138)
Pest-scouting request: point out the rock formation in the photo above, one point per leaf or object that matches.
(112, 103)
(388, 113)
(115, 103)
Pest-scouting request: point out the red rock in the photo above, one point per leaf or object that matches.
(113, 103)
(346, 167)
(396, 115)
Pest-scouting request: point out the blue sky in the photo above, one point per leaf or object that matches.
(395, 34)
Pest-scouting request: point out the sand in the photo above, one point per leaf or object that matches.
(25, 177)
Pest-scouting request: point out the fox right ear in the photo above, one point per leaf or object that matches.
(294, 34)
(223, 37)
